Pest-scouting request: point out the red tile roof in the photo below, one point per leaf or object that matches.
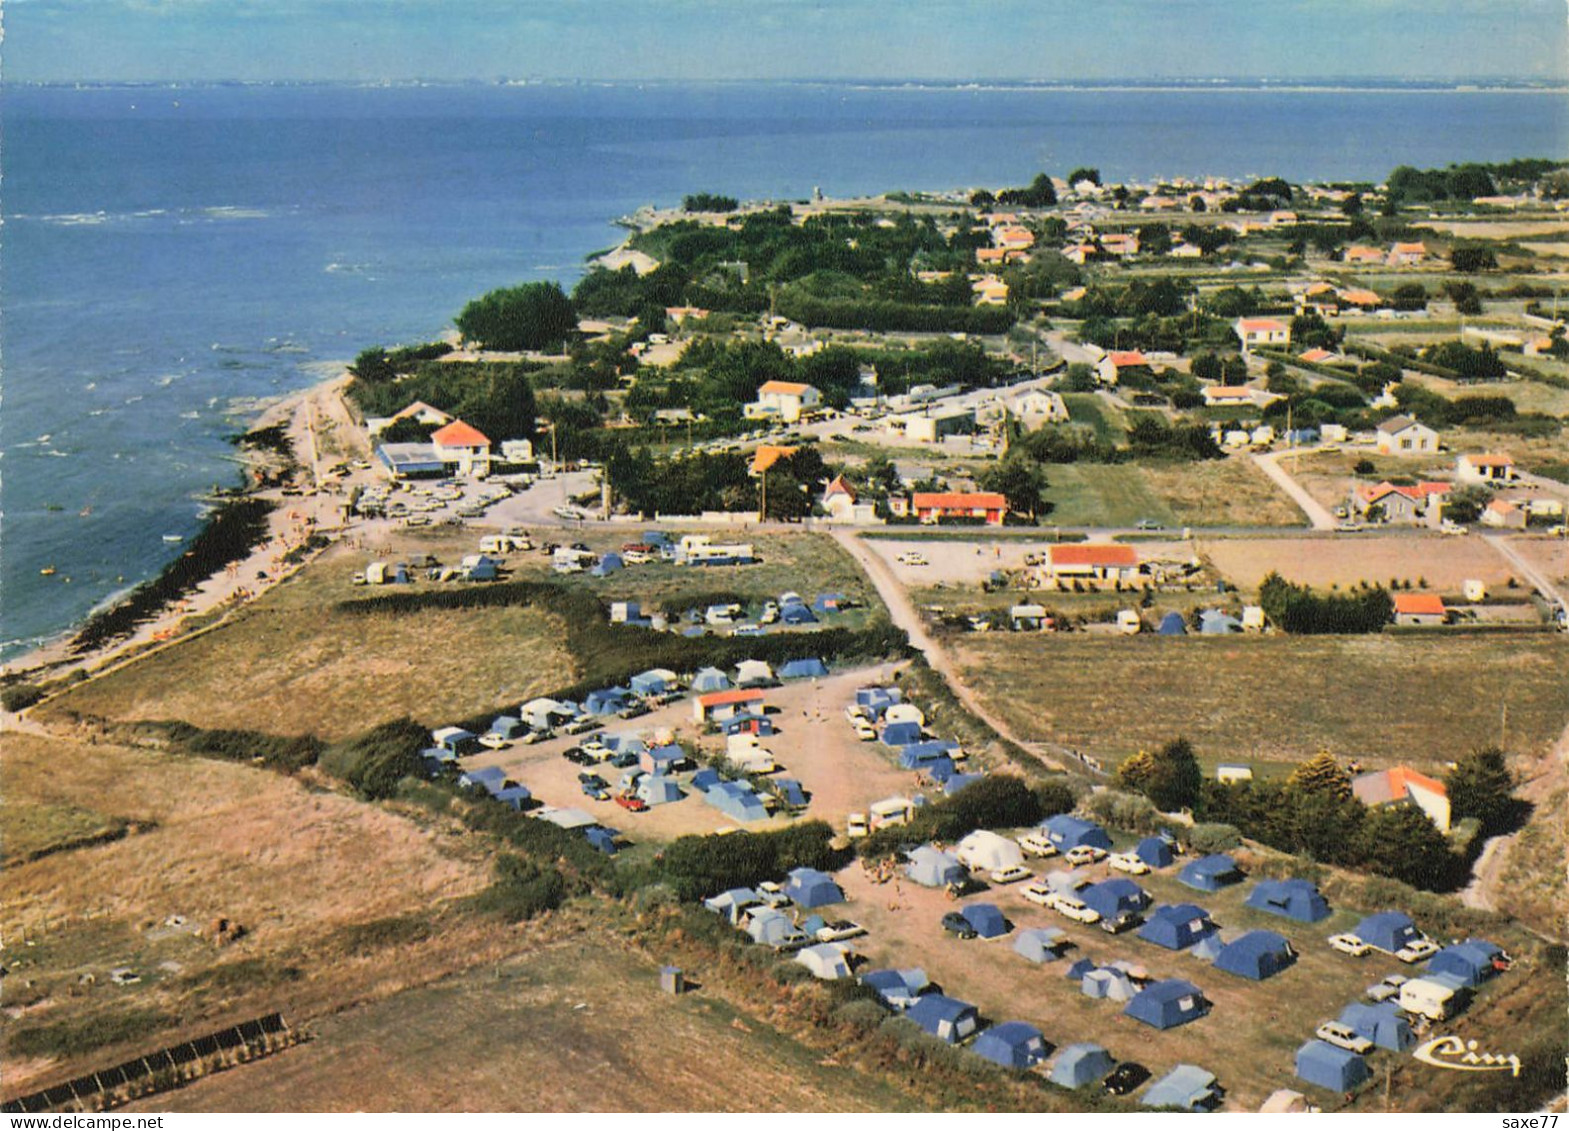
(787, 388)
(1121, 358)
(1490, 460)
(725, 698)
(1420, 604)
(1252, 324)
(1095, 554)
(959, 500)
(460, 435)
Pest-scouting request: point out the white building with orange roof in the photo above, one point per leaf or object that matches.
(1401, 785)
(464, 446)
(1109, 370)
(786, 400)
(1013, 237)
(1487, 467)
(1363, 255)
(1406, 254)
(1254, 332)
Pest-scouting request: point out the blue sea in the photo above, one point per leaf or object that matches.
(173, 256)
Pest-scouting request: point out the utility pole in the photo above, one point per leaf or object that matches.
(762, 506)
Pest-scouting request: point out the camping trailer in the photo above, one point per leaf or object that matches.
(1431, 998)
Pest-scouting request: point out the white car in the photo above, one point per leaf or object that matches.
(1010, 875)
(1418, 951)
(839, 929)
(1349, 944)
(1037, 844)
(865, 731)
(1127, 862)
(1038, 893)
(913, 559)
(1342, 1036)
(1071, 908)
(490, 740)
(1084, 854)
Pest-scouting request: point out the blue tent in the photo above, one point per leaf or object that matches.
(1210, 873)
(987, 920)
(803, 669)
(732, 902)
(828, 602)
(513, 795)
(1167, 1004)
(1208, 948)
(1187, 1087)
(956, 782)
(933, 869)
(656, 789)
(710, 679)
(1290, 899)
(901, 734)
(1387, 930)
(1070, 832)
(1108, 982)
(1076, 972)
(663, 759)
(790, 791)
(1040, 944)
(655, 538)
(507, 726)
(807, 887)
(705, 779)
(945, 1018)
(875, 700)
(602, 839)
(1172, 624)
(655, 681)
(1079, 1065)
(1177, 926)
(1155, 851)
(1381, 1023)
(898, 988)
(1339, 1070)
(772, 927)
(1473, 961)
(606, 701)
(1013, 1044)
(488, 779)
(1115, 897)
(1256, 955)
(607, 565)
(736, 799)
(939, 769)
(915, 755)
(1213, 622)
(795, 613)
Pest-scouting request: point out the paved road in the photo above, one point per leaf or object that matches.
(1269, 463)
(905, 615)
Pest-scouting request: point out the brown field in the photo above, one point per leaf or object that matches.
(289, 665)
(208, 840)
(1382, 699)
(1550, 555)
(579, 1027)
(1428, 561)
(1228, 492)
(1496, 229)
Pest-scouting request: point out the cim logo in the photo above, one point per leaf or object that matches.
(1461, 1056)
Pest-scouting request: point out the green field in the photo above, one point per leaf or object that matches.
(1228, 492)
(1105, 418)
(1381, 699)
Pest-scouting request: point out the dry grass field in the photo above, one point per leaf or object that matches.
(208, 840)
(1382, 699)
(288, 664)
(1229, 492)
(578, 1027)
(1428, 561)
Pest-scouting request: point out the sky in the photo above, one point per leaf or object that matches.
(955, 40)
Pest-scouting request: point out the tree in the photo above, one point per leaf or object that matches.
(708, 202)
(981, 198)
(1401, 842)
(1473, 259)
(1137, 771)
(1352, 205)
(373, 366)
(1084, 173)
(1321, 774)
(1170, 777)
(1196, 204)
(1021, 481)
(533, 316)
(1465, 296)
(1466, 503)
(1481, 786)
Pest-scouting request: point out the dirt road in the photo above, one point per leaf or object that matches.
(1269, 464)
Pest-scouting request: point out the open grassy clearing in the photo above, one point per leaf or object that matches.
(288, 664)
(1383, 699)
(1230, 492)
(1100, 494)
(216, 840)
(1534, 875)
(1110, 425)
(1528, 396)
(1428, 561)
(579, 1027)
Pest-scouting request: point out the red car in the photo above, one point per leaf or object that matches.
(630, 803)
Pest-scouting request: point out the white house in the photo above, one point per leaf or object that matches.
(1485, 468)
(1252, 332)
(1219, 396)
(1108, 371)
(840, 501)
(785, 399)
(1402, 785)
(464, 445)
(1040, 406)
(1402, 436)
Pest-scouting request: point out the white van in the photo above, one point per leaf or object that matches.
(1432, 999)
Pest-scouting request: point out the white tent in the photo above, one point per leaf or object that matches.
(904, 713)
(988, 852)
(753, 672)
(828, 961)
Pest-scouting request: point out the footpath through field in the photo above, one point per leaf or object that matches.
(1269, 464)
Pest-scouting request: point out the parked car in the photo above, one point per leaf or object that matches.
(581, 726)
(1084, 854)
(633, 710)
(1071, 908)
(1419, 951)
(575, 755)
(839, 929)
(1010, 875)
(1127, 862)
(1037, 844)
(1349, 944)
(1037, 893)
(1125, 1077)
(1122, 921)
(631, 804)
(772, 893)
(956, 924)
(534, 736)
(490, 740)
(588, 778)
(1388, 988)
(1343, 1036)
(595, 792)
(865, 731)
(1149, 524)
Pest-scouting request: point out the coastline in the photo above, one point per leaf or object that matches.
(293, 520)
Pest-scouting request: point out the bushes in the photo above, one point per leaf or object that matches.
(521, 890)
(377, 760)
(883, 315)
(696, 867)
(1131, 812)
(20, 696)
(1297, 609)
(996, 801)
(78, 1036)
(277, 752)
(1209, 838)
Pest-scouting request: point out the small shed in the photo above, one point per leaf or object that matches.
(1177, 926)
(753, 673)
(933, 869)
(1472, 962)
(1172, 624)
(1339, 1070)
(1013, 1044)
(988, 921)
(1290, 899)
(1167, 1004)
(1187, 1087)
(656, 789)
(803, 669)
(1388, 931)
(710, 679)
(748, 722)
(807, 887)
(1068, 832)
(1080, 1065)
(947, 1019)
(900, 989)
(901, 734)
(988, 852)
(1156, 851)
(1382, 1023)
(1256, 955)
(1040, 944)
(1210, 873)
(828, 961)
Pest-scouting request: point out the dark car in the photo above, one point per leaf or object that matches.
(1125, 1077)
(588, 779)
(576, 756)
(633, 710)
(956, 924)
(624, 760)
